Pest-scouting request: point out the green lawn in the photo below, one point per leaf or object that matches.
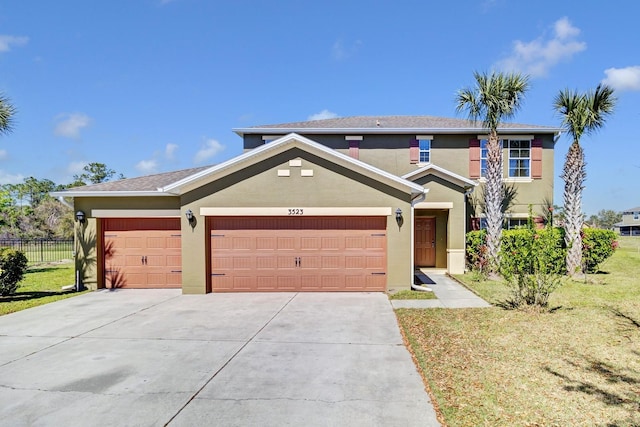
(411, 294)
(41, 285)
(578, 364)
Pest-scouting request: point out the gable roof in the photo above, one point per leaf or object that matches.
(390, 124)
(447, 175)
(180, 182)
(280, 145)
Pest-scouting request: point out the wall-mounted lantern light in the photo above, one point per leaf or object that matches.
(399, 218)
(80, 217)
(190, 217)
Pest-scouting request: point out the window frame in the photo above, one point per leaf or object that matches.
(421, 151)
(520, 159)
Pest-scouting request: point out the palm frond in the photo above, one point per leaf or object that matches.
(7, 111)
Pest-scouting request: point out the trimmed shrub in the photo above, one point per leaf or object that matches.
(597, 246)
(517, 248)
(13, 265)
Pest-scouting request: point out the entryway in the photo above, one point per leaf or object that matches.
(424, 242)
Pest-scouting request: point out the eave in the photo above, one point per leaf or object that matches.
(384, 131)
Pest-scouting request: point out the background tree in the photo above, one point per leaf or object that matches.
(494, 98)
(582, 114)
(94, 173)
(605, 219)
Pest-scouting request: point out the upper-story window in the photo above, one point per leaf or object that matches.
(483, 157)
(636, 215)
(519, 158)
(523, 157)
(424, 146)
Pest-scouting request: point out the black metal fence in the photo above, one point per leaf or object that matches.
(41, 250)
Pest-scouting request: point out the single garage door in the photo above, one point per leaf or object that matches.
(142, 253)
(298, 254)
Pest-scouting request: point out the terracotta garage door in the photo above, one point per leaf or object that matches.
(142, 253)
(298, 254)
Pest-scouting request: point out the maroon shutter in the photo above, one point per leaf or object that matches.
(414, 151)
(536, 159)
(354, 149)
(474, 158)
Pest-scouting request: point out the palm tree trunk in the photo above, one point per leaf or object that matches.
(493, 198)
(573, 175)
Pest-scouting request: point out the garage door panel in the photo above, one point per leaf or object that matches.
(299, 253)
(266, 243)
(266, 263)
(266, 283)
(332, 282)
(288, 282)
(286, 243)
(243, 263)
(310, 243)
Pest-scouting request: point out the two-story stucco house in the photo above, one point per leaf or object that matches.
(630, 224)
(346, 204)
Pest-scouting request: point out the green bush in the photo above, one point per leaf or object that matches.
(532, 263)
(597, 246)
(13, 265)
(517, 248)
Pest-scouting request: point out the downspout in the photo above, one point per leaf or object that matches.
(419, 199)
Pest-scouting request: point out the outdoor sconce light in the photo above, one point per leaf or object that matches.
(80, 217)
(190, 217)
(399, 218)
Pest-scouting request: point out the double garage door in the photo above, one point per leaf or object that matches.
(252, 253)
(298, 253)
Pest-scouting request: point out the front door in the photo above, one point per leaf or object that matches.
(424, 242)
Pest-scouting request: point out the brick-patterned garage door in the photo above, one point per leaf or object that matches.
(142, 253)
(298, 254)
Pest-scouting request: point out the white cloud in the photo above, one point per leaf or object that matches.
(6, 42)
(209, 149)
(170, 151)
(9, 178)
(538, 56)
(340, 52)
(324, 114)
(4, 155)
(70, 125)
(147, 166)
(76, 168)
(627, 78)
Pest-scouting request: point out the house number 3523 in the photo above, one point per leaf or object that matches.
(296, 211)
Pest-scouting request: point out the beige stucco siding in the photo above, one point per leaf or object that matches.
(260, 185)
(88, 236)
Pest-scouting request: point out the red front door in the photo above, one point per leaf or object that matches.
(424, 242)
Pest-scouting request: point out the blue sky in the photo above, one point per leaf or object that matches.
(149, 86)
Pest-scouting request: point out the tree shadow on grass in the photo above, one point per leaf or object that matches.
(26, 296)
(613, 386)
(40, 270)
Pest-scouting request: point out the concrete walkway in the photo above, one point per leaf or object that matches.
(156, 357)
(450, 293)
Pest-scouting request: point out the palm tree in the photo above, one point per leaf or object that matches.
(582, 114)
(6, 115)
(495, 97)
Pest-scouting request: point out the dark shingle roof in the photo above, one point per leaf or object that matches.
(393, 122)
(143, 183)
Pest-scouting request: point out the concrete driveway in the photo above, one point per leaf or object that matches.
(156, 357)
